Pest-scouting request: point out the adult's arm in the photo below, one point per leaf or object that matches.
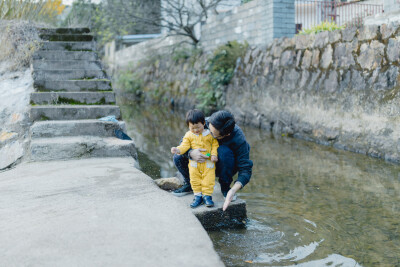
(244, 164)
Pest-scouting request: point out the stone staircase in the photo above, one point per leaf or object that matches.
(72, 91)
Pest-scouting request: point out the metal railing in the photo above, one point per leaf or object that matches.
(312, 12)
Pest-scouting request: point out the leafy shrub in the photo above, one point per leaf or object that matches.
(324, 26)
(129, 82)
(31, 10)
(220, 72)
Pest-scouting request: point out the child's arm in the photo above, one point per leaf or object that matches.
(185, 144)
(214, 150)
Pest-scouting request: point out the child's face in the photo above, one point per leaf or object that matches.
(196, 128)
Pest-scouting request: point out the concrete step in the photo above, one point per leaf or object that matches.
(73, 112)
(61, 148)
(73, 86)
(59, 75)
(74, 98)
(64, 30)
(46, 129)
(68, 46)
(41, 64)
(66, 37)
(65, 55)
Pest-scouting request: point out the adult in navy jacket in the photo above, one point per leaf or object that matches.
(233, 157)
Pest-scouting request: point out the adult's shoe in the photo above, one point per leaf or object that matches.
(183, 190)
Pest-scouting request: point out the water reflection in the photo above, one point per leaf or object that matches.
(308, 205)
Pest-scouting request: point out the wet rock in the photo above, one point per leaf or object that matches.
(387, 30)
(367, 32)
(357, 81)
(393, 49)
(306, 59)
(321, 39)
(331, 83)
(287, 58)
(371, 55)
(315, 58)
(169, 183)
(343, 57)
(348, 33)
(326, 58)
(304, 41)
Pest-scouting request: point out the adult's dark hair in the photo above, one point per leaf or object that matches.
(223, 121)
(195, 116)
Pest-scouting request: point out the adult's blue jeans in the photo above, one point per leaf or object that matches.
(225, 167)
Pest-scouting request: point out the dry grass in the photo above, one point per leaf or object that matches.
(18, 41)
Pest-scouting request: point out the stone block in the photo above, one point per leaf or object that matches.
(343, 57)
(304, 41)
(387, 30)
(326, 58)
(349, 33)
(388, 79)
(298, 58)
(171, 183)
(367, 32)
(315, 58)
(287, 58)
(371, 55)
(344, 81)
(321, 39)
(290, 79)
(304, 78)
(334, 36)
(393, 49)
(10, 153)
(331, 83)
(357, 81)
(306, 59)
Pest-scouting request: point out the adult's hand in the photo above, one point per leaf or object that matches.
(230, 195)
(196, 155)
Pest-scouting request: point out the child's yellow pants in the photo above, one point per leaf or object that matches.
(202, 177)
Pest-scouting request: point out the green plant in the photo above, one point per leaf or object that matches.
(323, 26)
(220, 72)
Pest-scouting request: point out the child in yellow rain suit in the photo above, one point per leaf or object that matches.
(202, 175)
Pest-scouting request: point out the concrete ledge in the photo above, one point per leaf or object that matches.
(44, 64)
(95, 212)
(45, 129)
(76, 74)
(73, 112)
(68, 46)
(65, 55)
(74, 98)
(67, 37)
(73, 86)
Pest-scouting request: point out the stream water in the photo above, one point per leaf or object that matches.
(308, 205)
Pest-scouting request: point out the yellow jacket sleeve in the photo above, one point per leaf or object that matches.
(185, 144)
(214, 147)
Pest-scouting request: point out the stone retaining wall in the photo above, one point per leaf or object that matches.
(336, 88)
